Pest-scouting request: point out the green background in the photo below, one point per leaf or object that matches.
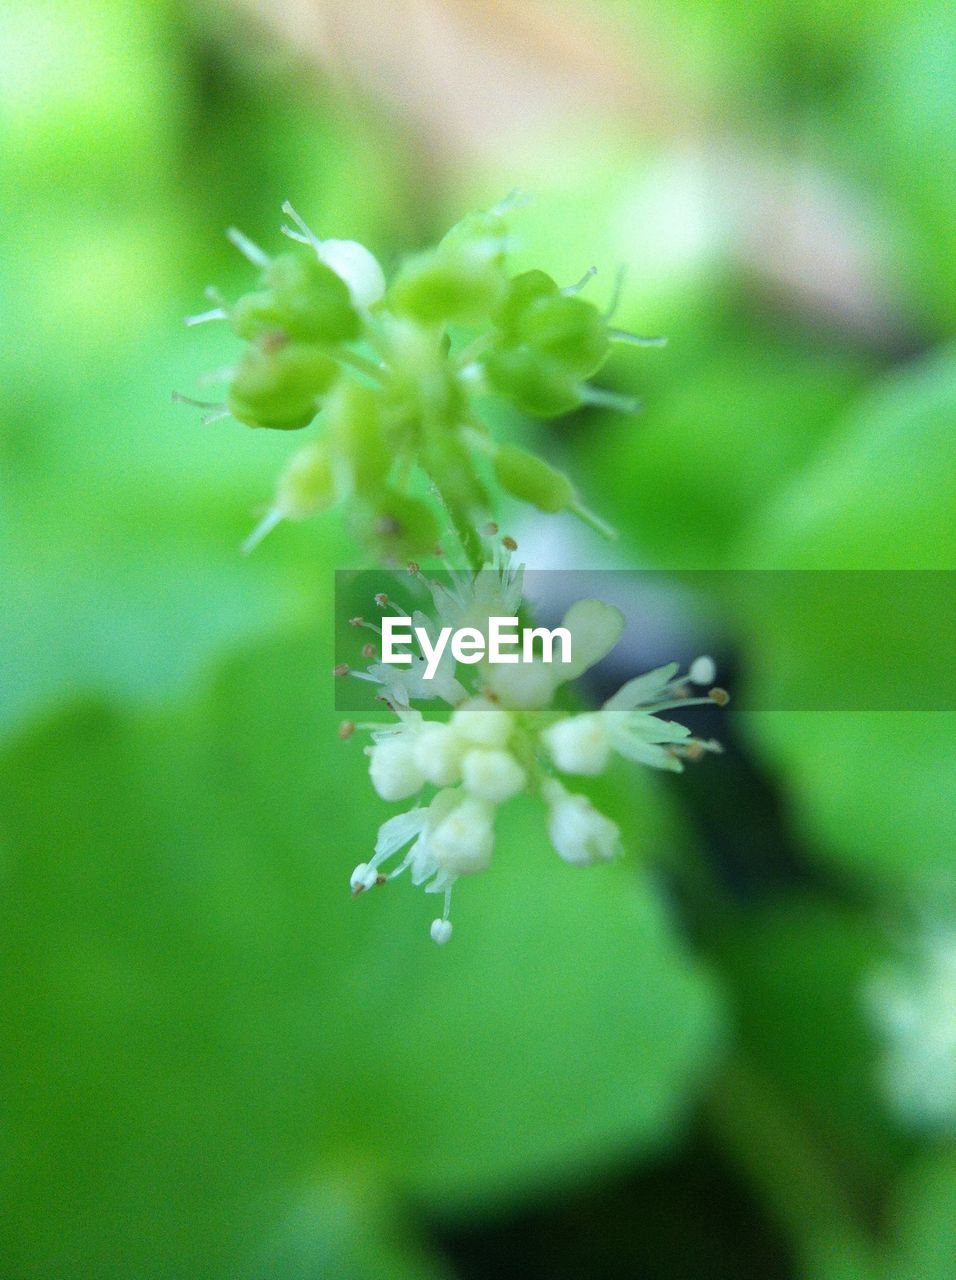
(215, 1064)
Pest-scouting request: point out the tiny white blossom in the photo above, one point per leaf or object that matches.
(492, 774)
(496, 743)
(351, 261)
(358, 267)
(580, 744)
(580, 833)
(482, 723)
(438, 753)
(392, 768)
(462, 843)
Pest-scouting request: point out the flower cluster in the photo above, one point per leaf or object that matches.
(503, 737)
(395, 369)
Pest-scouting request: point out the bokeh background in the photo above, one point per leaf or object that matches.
(734, 1053)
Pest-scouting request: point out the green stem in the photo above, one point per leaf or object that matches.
(353, 360)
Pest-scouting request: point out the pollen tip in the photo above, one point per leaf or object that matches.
(719, 696)
(346, 729)
(441, 931)
(341, 670)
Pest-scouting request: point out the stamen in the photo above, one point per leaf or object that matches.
(310, 236)
(203, 317)
(362, 878)
(616, 291)
(209, 418)
(602, 398)
(179, 398)
(635, 339)
(441, 931)
(570, 290)
(702, 670)
(258, 257)
(265, 526)
(593, 521)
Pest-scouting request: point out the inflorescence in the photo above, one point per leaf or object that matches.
(395, 370)
(503, 738)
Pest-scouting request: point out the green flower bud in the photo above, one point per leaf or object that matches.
(460, 284)
(530, 478)
(567, 330)
(307, 485)
(303, 298)
(523, 291)
(353, 416)
(536, 385)
(279, 384)
(397, 526)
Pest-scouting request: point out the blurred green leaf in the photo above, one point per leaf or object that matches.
(873, 789)
(204, 1015)
(721, 432)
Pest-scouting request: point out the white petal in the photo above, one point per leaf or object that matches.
(492, 775)
(482, 723)
(462, 843)
(580, 744)
(357, 267)
(581, 835)
(643, 690)
(595, 629)
(437, 752)
(392, 768)
(398, 831)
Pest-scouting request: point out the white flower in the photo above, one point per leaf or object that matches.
(628, 723)
(350, 261)
(580, 744)
(438, 752)
(580, 834)
(392, 767)
(482, 723)
(595, 629)
(451, 837)
(359, 268)
(462, 842)
(492, 775)
(494, 747)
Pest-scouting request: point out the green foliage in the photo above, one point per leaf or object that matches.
(873, 789)
(187, 975)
